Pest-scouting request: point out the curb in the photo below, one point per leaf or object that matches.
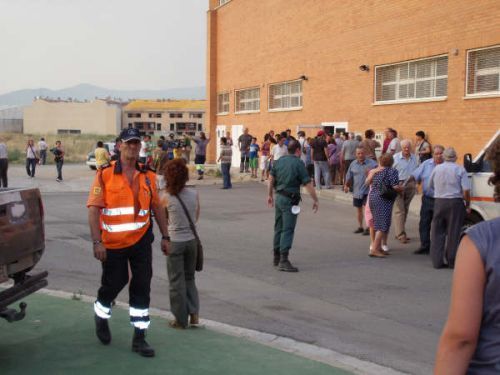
(308, 351)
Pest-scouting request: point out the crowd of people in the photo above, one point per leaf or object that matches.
(383, 178)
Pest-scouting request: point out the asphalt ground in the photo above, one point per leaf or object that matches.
(388, 312)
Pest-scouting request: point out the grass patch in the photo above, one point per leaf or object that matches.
(76, 147)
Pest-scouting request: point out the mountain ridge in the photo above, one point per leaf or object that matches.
(86, 91)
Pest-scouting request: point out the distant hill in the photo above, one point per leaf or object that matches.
(89, 92)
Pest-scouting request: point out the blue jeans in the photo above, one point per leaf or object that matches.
(59, 165)
(226, 175)
(30, 167)
(322, 168)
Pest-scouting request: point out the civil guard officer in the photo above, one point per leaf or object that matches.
(120, 203)
(287, 176)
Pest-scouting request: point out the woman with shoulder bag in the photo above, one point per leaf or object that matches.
(179, 202)
(32, 158)
(384, 183)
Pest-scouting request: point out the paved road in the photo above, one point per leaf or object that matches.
(388, 311)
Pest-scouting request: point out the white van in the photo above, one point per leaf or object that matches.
(482, 204)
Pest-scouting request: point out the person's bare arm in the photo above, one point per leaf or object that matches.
(161, 220)
(459, 338)
(467, 201)
(270, 198)
(371, 174)
(312, 192)
(94, 214)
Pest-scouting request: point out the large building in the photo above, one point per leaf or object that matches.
(354, 65)
(162, 116)
(46, 116)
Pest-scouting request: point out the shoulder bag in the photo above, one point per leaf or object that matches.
(387, 191)
(199, 247)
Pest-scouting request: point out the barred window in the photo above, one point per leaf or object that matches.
(247, 100)
(223, 103)
(483, 71)
(285, 96)
(412, 80)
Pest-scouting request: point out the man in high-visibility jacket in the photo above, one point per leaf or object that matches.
(120, 203)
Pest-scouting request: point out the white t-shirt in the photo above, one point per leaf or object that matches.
(142, 152)
(278, 151)
(42, 145)
(394, 146)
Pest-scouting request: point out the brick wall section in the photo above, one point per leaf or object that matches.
(255, 43)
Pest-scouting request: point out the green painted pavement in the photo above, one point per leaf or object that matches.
(57, 337)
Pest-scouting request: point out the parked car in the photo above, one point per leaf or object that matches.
(22, 244)
(110, 146)
(483, 206)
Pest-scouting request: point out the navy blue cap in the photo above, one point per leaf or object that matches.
(129, 134)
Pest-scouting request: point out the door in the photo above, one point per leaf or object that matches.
(236, 131)
(220, 132)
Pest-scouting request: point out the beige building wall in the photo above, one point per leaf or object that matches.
(53, 117)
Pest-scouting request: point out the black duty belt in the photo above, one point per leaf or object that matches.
(294, 197)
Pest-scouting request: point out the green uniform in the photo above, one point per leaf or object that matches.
(289, 175)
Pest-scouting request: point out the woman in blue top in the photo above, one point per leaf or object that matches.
(470, 342)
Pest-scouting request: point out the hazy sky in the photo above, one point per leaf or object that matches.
(118, 44)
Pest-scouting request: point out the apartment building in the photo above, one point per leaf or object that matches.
(162, 117)
(48, 116)
(351, 66)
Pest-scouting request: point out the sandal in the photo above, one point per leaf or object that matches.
(376, 255)
(176, 325)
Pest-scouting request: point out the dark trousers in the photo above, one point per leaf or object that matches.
(424, 226)
(447, 222)
(245, 159)
(284, 224)
(59, 165)
(30, 167)
(4, 165)
(115, 274)
(43, 156)
(226, 175)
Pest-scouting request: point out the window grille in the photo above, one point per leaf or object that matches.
(285, 96)
(247, 100)
(223, 103)
(412, 80)
(483, 71)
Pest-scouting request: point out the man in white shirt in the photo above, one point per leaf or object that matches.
(42, 148)
(303, 142)
(279, 149)
(395, 145)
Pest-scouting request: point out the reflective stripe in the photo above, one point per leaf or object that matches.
(118, 211)
(138, 312)
(101, 311)
(140, 325)
(143, 212)
(115, 228)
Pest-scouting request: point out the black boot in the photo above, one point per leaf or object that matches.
(285, 264)
(102, 330)
(139, 344)
(276, 259)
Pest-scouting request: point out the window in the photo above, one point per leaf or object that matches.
(200, 127)
(158, 126)
(195, 115)
(154, 115)
(412, 80)
(223, 103)
(69, 131)
(134, 115)
(247, 100)
(172, 127)
(285, 96)
(483, 71)
(175, 115)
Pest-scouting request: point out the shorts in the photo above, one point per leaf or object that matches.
(253, 163)
(359, 202)
(199, 159)
(264, 163)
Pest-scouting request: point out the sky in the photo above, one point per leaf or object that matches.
(117, 44)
